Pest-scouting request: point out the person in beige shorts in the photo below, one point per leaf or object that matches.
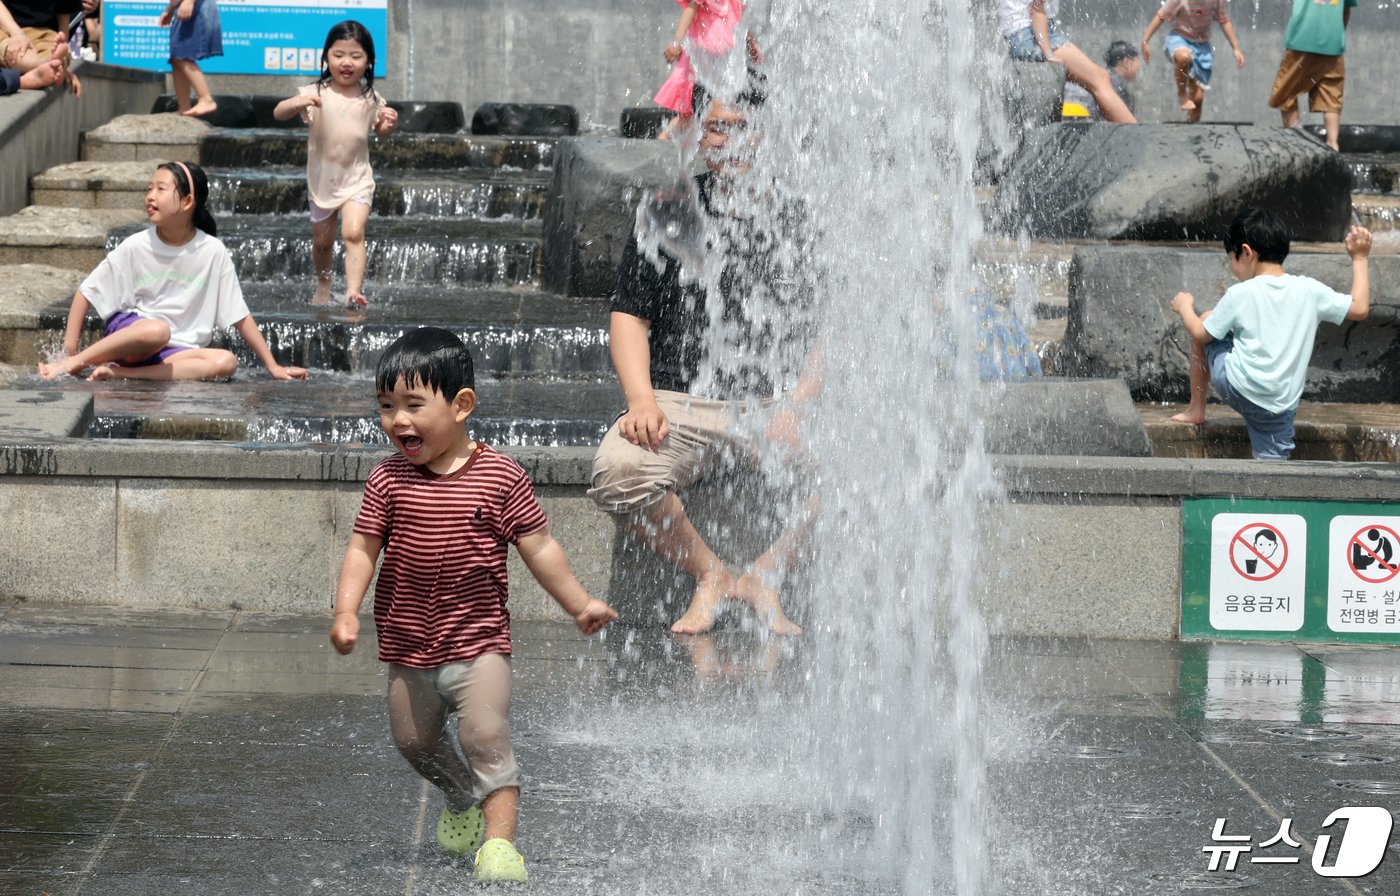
(1313, 63)
(678, 424)
(40, 45)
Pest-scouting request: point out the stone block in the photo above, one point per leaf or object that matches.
(235, 111)
(525, 120)
(44, 560)
(420, 117)
(45, 413)
(1056, 570)
(258, 545)
(1170, 182)
(644, 122)
(592, 208)
(1121, 323)
(1064, 417)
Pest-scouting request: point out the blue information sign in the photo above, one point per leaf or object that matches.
(260, 37)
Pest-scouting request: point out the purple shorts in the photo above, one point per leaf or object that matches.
(123, 319)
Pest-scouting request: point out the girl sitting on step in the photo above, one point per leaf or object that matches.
(341, 108)
(161, 293)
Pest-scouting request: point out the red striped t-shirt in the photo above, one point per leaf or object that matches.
(1191, 18)
(441, 594)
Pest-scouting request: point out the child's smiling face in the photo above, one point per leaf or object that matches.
(427, 428)
(347, 61)
(163, 200)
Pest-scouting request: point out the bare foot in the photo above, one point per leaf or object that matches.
(46, 75)
(709, 598)
(56, 369)
(1187, 105)
(322, 295)
(357, 300)
(1195, 418)
(203, 107)
(766, 604)
(102, 372)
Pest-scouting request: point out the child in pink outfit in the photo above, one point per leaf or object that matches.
(707, 26)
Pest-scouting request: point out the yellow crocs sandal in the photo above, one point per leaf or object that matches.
(460, 833)
(498, 862)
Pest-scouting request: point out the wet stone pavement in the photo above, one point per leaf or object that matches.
(173, 751)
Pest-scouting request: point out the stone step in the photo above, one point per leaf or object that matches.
(1342, 431)
(62, 237)
(139, 138)
(1377, 213)
(334, 408)
(418, 152)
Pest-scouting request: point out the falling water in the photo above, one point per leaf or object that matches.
(871, 132)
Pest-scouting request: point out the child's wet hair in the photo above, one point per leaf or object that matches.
(428, 356)
(190, 179)
(753, 95)
(1262, 230)
(349, 30)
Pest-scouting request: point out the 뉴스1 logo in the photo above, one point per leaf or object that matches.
(1360, 849)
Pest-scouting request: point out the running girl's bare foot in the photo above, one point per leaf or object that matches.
(203, 107)
(766, 604)
(322, 295)
(56, 369)
(1186, 104)
(710, 595)
(1195, 418)
(357, 300)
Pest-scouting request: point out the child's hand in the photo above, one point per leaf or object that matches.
(386, 123)
(594, 615)
(287, 373)
(185, 11)
(345, 631)
(1358, 241)
(672, 52)
(1146, 53)
(755, 54)
(165, 18)
(1239, 58)
(1183, 302)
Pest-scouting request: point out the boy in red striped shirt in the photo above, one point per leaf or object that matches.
(444, 510)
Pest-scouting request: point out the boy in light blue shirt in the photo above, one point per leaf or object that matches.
(1256, 343)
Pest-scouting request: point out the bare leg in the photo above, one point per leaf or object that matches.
(191, 364)
(181, 83)
(1195, 412)
(1332, 122)
(1092, 77)
(1290, 115)
(501, 808)
(353, 216)
(1198, 102)
(753, 586)
(204, 100)
(668, 532)
(322, 251)
(131, 344)
(1181, 68)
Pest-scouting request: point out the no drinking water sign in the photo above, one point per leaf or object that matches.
(1303, 570)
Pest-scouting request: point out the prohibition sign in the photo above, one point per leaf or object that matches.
(1265, 568)
(1385, 570)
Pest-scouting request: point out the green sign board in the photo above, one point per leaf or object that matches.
(1290, 570)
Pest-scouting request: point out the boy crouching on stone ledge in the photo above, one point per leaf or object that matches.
(1256, 343)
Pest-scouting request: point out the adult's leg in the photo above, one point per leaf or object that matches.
(322, 252)
(132, 344)
(1094, 78)
(353, 216)
(190, 364)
